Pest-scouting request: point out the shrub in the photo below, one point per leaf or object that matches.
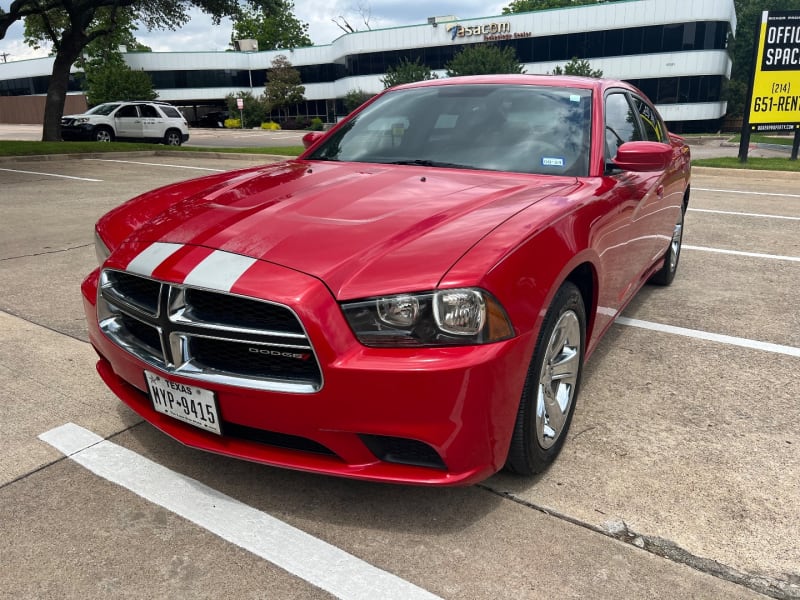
(316, 124)
(271, 126)
(233, 124)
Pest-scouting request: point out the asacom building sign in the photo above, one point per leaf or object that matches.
(674, 50)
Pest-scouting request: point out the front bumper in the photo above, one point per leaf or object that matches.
(435, 416)
(77, 132)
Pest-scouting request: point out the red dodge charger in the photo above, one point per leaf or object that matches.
(413, 298)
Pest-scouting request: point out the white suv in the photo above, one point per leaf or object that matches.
(150, 121)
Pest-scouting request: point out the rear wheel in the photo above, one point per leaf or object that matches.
(103, 134)
(551, 387)
(173, 137)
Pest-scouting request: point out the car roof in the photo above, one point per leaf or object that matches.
(524, 79)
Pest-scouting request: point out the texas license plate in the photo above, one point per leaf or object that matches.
(187, 403)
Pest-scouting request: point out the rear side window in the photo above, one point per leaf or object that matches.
(651, 123)
(171, 112)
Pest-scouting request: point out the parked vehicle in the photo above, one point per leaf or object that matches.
(412, 299)
(140, 121)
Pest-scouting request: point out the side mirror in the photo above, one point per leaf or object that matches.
(643, 156)
(311, 138)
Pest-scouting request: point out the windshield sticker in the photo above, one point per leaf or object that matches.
(553, 161)
(574, 98)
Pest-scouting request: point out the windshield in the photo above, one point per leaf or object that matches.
(103, 109)
(518, 128)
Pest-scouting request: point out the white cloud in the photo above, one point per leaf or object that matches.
(14, 46)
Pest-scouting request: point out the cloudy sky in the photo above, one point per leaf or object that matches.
(199, 34)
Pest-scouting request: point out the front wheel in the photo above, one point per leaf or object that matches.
(103, 134)
(551, 387)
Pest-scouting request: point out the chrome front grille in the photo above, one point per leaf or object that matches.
(207, 335)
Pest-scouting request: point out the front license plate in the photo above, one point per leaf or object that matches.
(186, 403)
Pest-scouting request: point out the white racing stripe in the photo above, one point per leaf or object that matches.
(317, 562)
(148, 259)
(740, 253)
(219, 271)
(51, 175)
(712, 337)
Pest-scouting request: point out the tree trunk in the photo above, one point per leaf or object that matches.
(69, 49)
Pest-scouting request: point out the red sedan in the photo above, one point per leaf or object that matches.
(413, 298)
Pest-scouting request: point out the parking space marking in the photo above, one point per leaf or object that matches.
(743, 214)
(150, 164)
(746, 192)
(712, 337)
(741, 253)
(319, 563)
(51, 175)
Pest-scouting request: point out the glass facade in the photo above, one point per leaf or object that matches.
(634, 41)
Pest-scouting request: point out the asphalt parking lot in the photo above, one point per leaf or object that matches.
(680, 478)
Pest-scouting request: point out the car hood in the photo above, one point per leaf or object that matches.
(362, 229)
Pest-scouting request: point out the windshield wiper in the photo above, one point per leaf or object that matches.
(431, 163)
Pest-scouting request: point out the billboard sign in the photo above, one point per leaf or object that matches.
(775, 102)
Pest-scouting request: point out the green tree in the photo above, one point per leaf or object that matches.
(283, 88)
(407, 71)
(484, 59)
(580, 67)
(71, 25)
(355, 98)
(520, 6)
(273, 24)
(110, 79)
(106, 76)
(254, 111)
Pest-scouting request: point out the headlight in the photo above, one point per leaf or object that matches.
(100, 249)
(81, 120)
(455, 317)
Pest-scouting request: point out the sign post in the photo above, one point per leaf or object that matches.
(774, 98)
(240, 106)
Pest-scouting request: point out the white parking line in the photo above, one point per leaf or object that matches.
(740, 253)
(713, 337)
(150, 164)
(743, 214)
(746, 192)
(291, 549)
(50, 175)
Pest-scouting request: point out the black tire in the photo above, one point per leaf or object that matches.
(173, 137)
(666, 273)
(103, 134)
(548, 398)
